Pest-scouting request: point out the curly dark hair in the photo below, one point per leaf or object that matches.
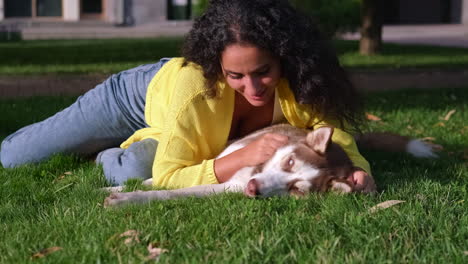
(307, 59)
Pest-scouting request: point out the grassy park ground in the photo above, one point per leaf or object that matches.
(52, 212)
(110, 56)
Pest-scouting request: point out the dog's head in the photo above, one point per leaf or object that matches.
(311, 163)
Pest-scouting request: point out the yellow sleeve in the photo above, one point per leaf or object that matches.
(191, 129)
(347, 142)
(184, 156)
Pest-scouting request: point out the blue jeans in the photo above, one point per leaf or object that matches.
(97, 122)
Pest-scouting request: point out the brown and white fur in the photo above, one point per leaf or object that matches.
(310, 162)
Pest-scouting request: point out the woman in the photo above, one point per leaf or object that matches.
(245, 65)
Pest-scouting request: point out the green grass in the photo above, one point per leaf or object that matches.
(107, 56)
(39, 209)
(83, 56)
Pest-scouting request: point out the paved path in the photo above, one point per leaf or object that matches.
(102, 31)
(444, 35)
(451, 35)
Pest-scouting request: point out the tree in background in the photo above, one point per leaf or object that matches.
(337, 16)
(371, 27)
(333, 16)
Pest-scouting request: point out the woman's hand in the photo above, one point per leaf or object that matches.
(263, 148)
(363, 182)
(255, 153)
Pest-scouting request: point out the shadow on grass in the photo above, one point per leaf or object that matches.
(390, 49)
(425, 99)
(421, 114)
(393, 171)
(19, 112)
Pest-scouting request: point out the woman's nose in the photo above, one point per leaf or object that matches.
(252, 84)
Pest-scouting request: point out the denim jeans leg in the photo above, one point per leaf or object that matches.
(136, 161)
(100, 119)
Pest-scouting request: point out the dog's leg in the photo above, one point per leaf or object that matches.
(117, 199)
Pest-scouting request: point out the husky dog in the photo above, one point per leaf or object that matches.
(309, 162)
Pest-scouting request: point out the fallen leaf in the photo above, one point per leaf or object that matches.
(62, 176)
(464, 130)
(154, 251)
(449, 114)
(372, 117)
(131, 237)
(421, 197)
(130, 232)
(44, 252)
(428, 139)
(59, 178)
(440, 124)
(384, 205)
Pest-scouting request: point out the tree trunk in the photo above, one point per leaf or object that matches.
(371, 27)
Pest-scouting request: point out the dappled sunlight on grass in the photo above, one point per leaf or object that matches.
(58, 204)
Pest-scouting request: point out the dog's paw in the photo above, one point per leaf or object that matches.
(118, 199)
(114, 199)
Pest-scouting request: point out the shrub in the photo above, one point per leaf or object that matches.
(198, 7)
(332, 15)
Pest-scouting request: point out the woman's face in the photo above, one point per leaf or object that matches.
(252, 72)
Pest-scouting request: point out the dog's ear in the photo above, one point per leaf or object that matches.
(340, 187)
(319, 139)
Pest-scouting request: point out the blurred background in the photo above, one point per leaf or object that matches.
(61, 19)
(50, 47)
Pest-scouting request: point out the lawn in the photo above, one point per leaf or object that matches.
(107, 56)
(57, 205)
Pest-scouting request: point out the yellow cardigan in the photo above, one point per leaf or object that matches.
(192, 129)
